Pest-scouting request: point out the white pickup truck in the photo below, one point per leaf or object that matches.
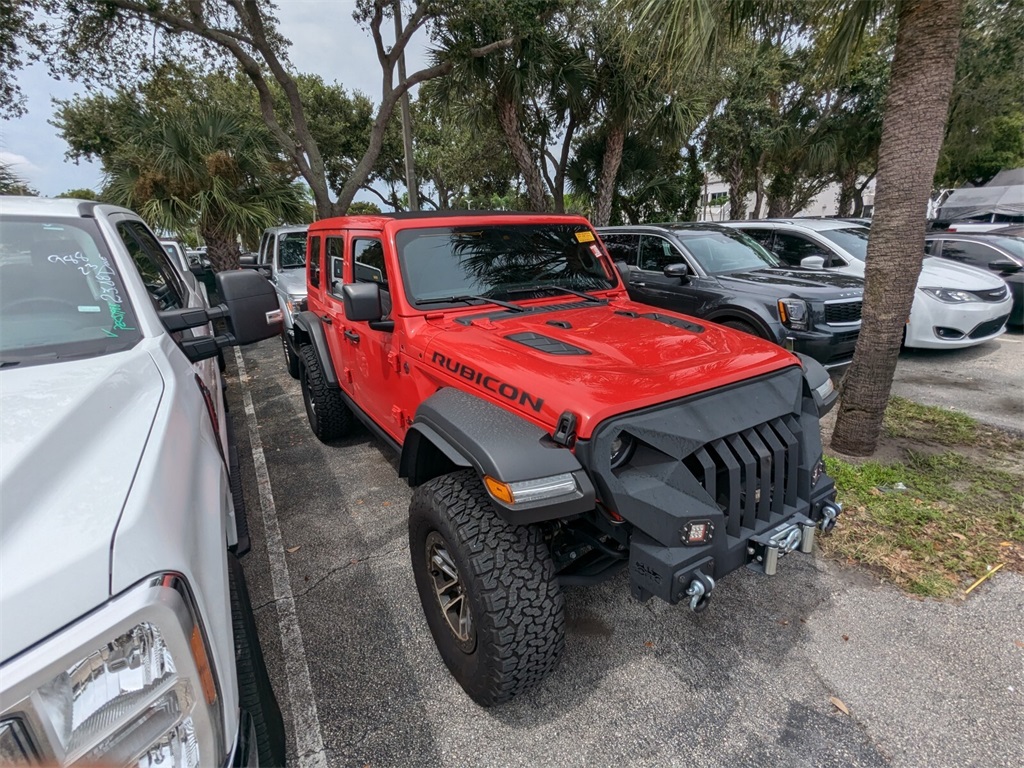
(126, 637)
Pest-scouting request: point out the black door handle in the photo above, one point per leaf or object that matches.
(327, 319)
(352, 336)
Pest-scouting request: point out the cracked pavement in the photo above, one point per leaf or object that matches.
(746, 683)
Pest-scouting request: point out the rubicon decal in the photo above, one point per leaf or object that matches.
(490, 383)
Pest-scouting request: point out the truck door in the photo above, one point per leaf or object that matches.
(372, 352)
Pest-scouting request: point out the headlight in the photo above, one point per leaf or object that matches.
(950, 296)
(622, 449)
(795, 314)
(296, 304)
(132, 684)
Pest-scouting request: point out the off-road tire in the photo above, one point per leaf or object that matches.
(291, 360)
(329, 417)
(739, 325)
(518, 632)
(255, 694)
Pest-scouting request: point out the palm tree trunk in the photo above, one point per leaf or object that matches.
(847, 193)
(737, 191)
(508, 118)
(221, 250)
(927, 39)
(614, 142)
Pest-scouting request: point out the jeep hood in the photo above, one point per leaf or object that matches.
(595, 360)
(71, 434)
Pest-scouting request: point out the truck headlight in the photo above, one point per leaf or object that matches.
(622, 449)
(296, 303)
(795, 314)
(130, 685)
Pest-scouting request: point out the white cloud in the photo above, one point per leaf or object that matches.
(20, 164)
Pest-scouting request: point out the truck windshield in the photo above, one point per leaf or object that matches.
(60, 294)
(291, 248)
(500, 261)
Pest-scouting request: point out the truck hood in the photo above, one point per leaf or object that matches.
(71, 434)
(805, 284)
(292, 281)
(595, 360)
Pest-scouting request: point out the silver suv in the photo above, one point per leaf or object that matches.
(283, 254)
(127, 636)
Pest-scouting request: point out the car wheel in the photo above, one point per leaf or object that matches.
(255, 694)
(291, 360)
(488, 589)
(329, 417)
(739, 325)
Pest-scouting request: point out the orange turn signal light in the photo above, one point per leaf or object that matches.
(499, 490)
(203, 665)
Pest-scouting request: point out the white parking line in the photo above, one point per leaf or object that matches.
(309, 742)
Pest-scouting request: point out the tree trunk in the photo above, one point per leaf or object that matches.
(221, 249)
(613, 144)
(927, 38)
(737, 192)
(847, 193)
(508, 118)
(758, 193)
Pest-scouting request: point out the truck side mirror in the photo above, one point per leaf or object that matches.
(682, 271)
(362, 301)
(253, 313)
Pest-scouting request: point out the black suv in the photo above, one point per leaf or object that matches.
(722, 275)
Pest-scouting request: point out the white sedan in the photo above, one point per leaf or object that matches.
(954, 305)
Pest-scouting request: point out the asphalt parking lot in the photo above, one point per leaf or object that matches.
(750, 682)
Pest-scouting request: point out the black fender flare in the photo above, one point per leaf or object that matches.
(454, 429)
(818, 384)
(309, 329)
(746, 315)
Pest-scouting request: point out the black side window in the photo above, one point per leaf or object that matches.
(763, 236)
(151, 260)
(336, 262)
(656, 253)
(792, 248)
(368, 267)
(622, 247)
(970, 253)
(266, 248)
(315, 259)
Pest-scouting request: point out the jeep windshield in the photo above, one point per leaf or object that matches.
(500, 261)
(291, 250)
(61, 296)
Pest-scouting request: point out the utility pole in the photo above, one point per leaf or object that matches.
(410, 170)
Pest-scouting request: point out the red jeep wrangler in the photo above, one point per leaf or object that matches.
(553, 430)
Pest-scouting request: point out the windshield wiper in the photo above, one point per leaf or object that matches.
(468, 298)
(557, 288)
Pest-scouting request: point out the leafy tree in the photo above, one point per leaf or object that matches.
(80, 194)
(362, 208)
(110, 39)
(12, 184)
(927, 36)
(985, 132)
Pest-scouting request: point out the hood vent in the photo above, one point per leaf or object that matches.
(675, 322)
(546, 344)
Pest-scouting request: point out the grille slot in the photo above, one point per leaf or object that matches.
(842, 312)
(989, 327)
(752, 474)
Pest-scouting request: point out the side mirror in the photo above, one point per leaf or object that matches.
(682, 271)
(622, 267)
(1005, 265)
(247, 261)
(362, 301)
(813, 262)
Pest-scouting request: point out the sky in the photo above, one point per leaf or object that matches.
(325, 41)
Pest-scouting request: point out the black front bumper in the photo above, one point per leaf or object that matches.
(743, 461)
(833, 348)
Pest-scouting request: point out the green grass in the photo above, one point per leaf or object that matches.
(962, 511)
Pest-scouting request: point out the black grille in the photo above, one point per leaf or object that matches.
(752, 474)
(843, 312)
(996, 294)
(988, 328)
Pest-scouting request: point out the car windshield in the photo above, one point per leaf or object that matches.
(1015, 245)
(853, 240)
(60, 294)
(291, 250)
(723, 252)
(500, 261)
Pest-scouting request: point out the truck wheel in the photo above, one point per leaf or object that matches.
(488, 589)
(255, 694)
(291, 360)
(739, 325)
(329, 417)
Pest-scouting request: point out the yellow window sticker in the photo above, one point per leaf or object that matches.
(586, 236)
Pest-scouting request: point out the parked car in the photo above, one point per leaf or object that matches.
(554, 431)
(954, 305)
(717, 274)
(127, 636)
(283, 254)
(999, 253)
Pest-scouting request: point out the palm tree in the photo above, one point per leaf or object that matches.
(202, 168)
(927, 39)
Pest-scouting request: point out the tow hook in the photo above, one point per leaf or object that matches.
(830, 512)
(699, 591)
